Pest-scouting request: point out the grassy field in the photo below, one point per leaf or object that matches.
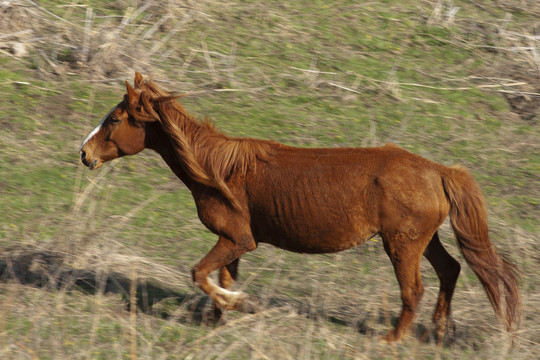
(96, 265)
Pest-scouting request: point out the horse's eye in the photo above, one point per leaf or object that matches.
(115, 120)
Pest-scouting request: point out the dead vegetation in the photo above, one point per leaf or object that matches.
(109, 47)
(312, 307)
(518, 59)
(100, 46)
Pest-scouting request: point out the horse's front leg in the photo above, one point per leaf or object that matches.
(225, 252)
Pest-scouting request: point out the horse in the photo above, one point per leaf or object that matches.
(312, 200)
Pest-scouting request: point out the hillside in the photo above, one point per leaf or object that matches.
(457, 82)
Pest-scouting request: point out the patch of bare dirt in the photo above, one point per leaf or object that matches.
(525, 99)
(519, 61)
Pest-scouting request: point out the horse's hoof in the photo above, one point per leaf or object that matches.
(230, 300)
(391, 338)
(248, 306)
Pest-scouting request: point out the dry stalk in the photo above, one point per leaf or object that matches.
(156, 26)
(133, 314)
(61, 19)
(81, 198)
(179, 25)
(31, 352)
(97, 310)
(4, 319)
(213, 72)
(87, 35)
(228, 327)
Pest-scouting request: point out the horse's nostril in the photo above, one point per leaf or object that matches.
(83, 157)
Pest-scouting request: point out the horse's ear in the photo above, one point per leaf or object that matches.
(142, 107)
(133, 96)
(138, 80)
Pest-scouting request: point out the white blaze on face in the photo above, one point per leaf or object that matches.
(95, 131)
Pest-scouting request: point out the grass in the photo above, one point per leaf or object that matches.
(306, 73)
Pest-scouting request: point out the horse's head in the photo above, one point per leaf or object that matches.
(119, 133)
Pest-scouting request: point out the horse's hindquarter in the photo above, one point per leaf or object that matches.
(314, 200)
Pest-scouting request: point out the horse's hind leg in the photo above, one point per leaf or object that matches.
(227, 277)
(406, 253)
(228, 274)
(447, 269)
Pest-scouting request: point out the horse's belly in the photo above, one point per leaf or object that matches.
(316, 245)
(319, 231)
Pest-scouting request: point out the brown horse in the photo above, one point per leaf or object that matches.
(249, 191)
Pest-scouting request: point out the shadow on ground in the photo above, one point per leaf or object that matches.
(46, 270)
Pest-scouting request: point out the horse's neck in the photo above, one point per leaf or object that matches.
(158, 141)
(178, 141)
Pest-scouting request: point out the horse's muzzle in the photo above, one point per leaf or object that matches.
(92, 165)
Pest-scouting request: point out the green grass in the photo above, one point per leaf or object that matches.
(305, 73)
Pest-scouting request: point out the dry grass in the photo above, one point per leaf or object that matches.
(92, 272)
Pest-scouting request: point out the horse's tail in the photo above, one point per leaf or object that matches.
(468, 217)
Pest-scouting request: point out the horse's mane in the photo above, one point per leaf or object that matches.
(209, 157)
